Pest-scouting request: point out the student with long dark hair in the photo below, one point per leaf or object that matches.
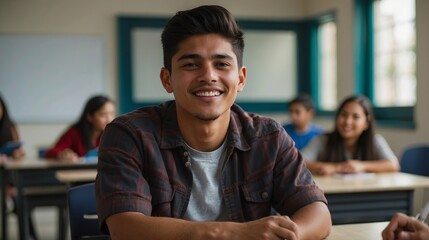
(353, 146)
(84, 135)
(8, 131)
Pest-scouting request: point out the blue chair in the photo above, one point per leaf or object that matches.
(415, 160)
(83, 213)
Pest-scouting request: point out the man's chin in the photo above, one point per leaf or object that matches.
(207, 118)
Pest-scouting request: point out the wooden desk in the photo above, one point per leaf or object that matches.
(361, 231)
(36, 183)
(370, 199)
(76, 176)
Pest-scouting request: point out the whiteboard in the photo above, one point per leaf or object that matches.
(48, 78)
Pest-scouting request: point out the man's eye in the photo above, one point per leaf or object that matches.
(222, 64)
(189, 65)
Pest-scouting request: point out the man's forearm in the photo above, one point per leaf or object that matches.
(138, 226)
(314, 221)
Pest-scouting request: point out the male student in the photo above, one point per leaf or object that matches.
(301, 130)
(200, 167)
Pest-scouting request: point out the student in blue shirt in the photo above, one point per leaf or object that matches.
(301, 130)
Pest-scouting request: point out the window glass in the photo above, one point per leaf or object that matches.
(394, 53)
(327, 90)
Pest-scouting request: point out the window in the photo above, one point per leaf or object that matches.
(394, 53)
(384, 49)
(327, 56)
(282, 44)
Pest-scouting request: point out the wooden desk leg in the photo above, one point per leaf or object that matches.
(23, 216)
(3, 204)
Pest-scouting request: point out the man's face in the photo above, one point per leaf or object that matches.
(204, 78)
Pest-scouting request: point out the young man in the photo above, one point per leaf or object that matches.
(200, 167)
(301, 130)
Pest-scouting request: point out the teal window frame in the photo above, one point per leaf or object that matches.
(313, 29)
(398, 117)
(126, 24)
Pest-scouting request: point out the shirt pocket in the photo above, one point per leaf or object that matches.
(257, 198)
(167, 201)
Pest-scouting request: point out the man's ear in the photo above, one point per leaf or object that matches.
(166, 80)
(242, 78)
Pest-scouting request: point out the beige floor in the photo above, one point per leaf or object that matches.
(45, 220)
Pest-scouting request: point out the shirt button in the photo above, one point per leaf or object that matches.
(264, 195)
(187, 164)
(185, 154)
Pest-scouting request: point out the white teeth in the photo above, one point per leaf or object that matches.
(208, 94)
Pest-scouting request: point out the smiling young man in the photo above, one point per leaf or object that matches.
(200, 167)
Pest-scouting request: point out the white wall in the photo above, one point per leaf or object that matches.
(98, 17)
(397, 138)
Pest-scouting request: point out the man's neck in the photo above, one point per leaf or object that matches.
(202, 135)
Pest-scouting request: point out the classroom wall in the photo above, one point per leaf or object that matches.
(398, 138)
(98, 17)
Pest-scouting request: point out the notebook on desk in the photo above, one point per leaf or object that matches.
(91, 156)
(9, 147)
(355, 175)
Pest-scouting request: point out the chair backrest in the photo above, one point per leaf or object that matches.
(83, 213)
(415, 160)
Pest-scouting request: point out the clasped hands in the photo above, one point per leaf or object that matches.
(346, 167)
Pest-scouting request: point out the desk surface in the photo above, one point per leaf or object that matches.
(75, 176)
(42, 164)
(372, 183)
(360, 231)
(377, 182)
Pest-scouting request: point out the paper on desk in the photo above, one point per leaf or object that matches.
(355, 175)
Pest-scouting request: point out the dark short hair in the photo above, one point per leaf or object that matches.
(198, 21)
(303, 99)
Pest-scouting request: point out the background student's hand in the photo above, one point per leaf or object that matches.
(68, 155)
(272, 227)
(324, 169)
(403, 227)
(3, 158)
(18, 153)
(351, 166)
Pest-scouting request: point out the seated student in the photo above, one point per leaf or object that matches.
(84, 135)
(352, 147)
(403, 227)
(199, 166)
(301, 130)
(8, 132)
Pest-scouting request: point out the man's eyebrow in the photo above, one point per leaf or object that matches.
(197, 56)
(189, 56)
(222, 56)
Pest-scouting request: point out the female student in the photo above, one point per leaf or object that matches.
(84, 135)
(352, 147)
(8, 132)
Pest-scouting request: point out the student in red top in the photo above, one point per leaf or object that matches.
(84, 135)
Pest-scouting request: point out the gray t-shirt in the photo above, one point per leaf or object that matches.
(206, 203)
(317, 146)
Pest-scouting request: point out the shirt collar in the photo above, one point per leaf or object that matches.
(172, 138)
